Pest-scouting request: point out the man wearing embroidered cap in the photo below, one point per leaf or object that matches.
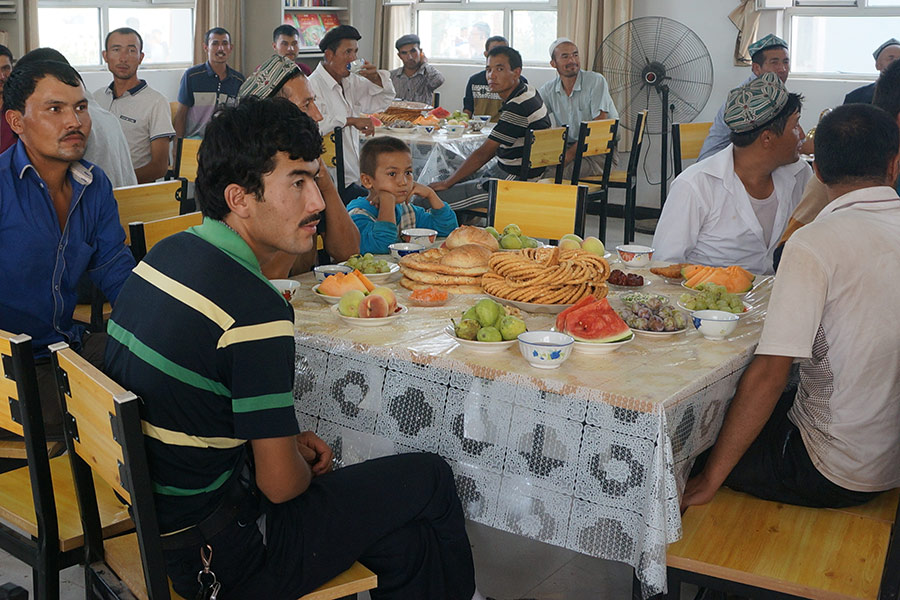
(575, 96)
(884, 55)
(343, 96)
(733, 208)
(280, 76)
(768, 55)
(416, 80)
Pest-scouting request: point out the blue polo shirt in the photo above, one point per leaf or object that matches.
(202, 92)
(40, 265)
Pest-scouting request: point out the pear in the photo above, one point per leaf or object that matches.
(510, 327)
(493, 232)
(467, 329)
(471, 313)
(512, 229)
(593, 245)
(510, 241)
(569, 244)
(489, 334)
(572, 236)
(487, 311)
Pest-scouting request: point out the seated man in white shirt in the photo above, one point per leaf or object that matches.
(732, 208)
(342, 96)
(835, 442)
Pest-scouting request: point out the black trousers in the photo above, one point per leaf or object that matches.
(777, 467)
(400, 516)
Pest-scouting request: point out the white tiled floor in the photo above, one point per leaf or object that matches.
(507, 566)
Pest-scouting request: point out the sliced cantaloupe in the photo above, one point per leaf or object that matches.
(341, 283)
(698, 276)
(734, 279)
(688, 271)
(365, 280)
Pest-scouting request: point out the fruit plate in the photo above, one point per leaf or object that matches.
(658, 333)
(373, 322)
(381, 277)
(753, 285)
(747, 308)
(324, 297)
(552, 309)
(476, 346)
(628, 288)
(602, 348)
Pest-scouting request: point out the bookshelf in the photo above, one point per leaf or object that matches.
(312, 22)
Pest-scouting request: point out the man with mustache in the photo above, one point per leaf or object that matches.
(58, 220)
(144, 113)
(206, 87)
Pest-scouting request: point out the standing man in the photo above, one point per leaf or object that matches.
(286, 41)
(232, 396)
(768, 55)
(479, 99)
(884, 55)
(58, 221)
(834, 442)
(576, 96)
(143, 112)
(343, 95)
(206, 87)
(522, 109)
(416, 80)
(733, 208)
(7, 138)
(280, 77)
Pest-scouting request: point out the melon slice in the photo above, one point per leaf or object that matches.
(341, 283)
(365, 280)
(688, 271)
(596, 322)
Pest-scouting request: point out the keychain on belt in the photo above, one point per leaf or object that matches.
(209, 587)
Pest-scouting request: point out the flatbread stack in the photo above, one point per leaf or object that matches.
(466, 234)
(457, 270)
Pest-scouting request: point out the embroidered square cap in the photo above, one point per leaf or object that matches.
(770, 41)
(755, 104)
(268, 77)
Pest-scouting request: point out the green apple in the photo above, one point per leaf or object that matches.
(571, 236)
(489, 334)
(510, 327)
(594, 246)
(349, 303)
(569, 244)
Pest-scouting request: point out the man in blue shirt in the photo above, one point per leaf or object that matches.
(58, 220)
(206, 87)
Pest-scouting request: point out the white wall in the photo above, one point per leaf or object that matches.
(165, 81)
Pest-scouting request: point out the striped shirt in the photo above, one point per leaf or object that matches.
(523, 110)
(203, 92)
(208, 344)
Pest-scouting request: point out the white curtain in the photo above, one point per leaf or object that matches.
(588, 22)
(217, 13)
(746, 18)
(392, 20)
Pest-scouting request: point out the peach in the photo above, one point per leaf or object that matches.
(388, 295)
(373, 306)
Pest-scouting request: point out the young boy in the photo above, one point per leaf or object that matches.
(385, 165)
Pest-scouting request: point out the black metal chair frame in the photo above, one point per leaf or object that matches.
(630, 183)
(599, 204)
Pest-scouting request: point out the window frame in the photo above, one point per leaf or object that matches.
(824, 8)
(104, 5)
(484, 5)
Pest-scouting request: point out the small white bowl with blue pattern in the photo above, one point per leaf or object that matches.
(545, 349)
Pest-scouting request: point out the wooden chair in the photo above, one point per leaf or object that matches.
(687, 141)
(39, 499)
(596, 138)
(627, 179)
(145, 202)
(544, 148)
(145, 234)
(105, 442)
(760, 549)
(333, 156)
(542, 210)
(186, 170)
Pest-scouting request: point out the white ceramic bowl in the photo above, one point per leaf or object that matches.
(476, 346)
(287, 287)
(476, 124)
(635, 255)
(324, 271)
(482, 118)
(370, 322)
(325, 297)
(420, 236)
(399, 250)
(714, 324)
(454, 130)
(545, 349)
(425, 129)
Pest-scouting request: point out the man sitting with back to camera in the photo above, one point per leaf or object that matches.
(208, 344)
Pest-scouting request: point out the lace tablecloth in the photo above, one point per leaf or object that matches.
(437, 156)
(591, 456)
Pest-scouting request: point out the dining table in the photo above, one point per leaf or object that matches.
(591, 456)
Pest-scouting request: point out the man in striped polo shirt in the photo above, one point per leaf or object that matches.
(208, 345)
(522, 109)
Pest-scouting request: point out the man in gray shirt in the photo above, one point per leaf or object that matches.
(416, 80)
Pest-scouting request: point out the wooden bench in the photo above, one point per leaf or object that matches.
(743, 545)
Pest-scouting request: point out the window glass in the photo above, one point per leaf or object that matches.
(73, 31)
(460, 35)
(532, 33)
(836, 44)
(167, 32)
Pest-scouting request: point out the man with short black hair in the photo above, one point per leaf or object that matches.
(732, 208)
(834, 442)
(286, 41)
(416, 80)
(231, 396)
(768, 55)
(343, 95)
(144, 113)
(206, 87)
(58, 221)
(522, 109)
(479, 99)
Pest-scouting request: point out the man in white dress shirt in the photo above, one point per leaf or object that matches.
(342, 96)
(732, 208)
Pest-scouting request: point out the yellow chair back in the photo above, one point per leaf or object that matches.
(146, 202)
(548, 146)
(9, 389)
(600, 137)
(145, 235)
(329, 153)
(541, 210)
(691, 137)
(187, 158)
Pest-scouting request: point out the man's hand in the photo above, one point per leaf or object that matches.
(422, 58)
(323, 179)
(698, 490)
(439, 186)
(370, 72)
(364, 124)
(315, 452)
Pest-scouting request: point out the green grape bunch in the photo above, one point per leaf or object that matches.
(711, 296)
(368, 264)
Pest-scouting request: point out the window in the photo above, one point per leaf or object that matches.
(828, 40)
(78, 29)
(457, 31)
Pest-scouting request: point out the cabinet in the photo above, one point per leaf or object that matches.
(312, 22)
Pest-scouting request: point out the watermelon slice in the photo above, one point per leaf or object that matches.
(561, 317)
(440, 113)
(596, 322)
